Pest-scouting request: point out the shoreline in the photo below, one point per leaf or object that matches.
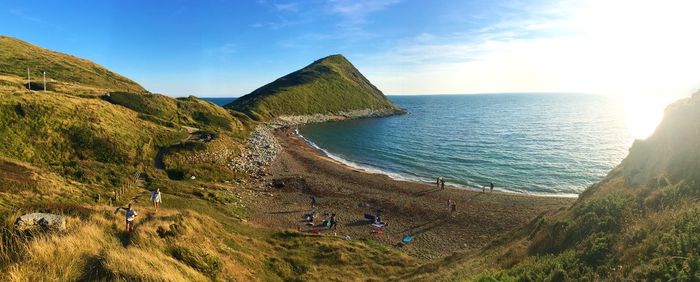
(418, 209)
(398, 177)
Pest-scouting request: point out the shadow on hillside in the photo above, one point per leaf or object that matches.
(425, 192)
(125, 238)
(285, 212)
(425, 226)
(95, 270)
(358, 223)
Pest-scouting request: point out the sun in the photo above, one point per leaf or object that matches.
(643, 114)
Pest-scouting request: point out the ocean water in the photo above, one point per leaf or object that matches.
(545, 144)
(220, 101)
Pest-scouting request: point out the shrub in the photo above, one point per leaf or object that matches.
(198, 259)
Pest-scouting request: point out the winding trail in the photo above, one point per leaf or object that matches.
(158, 161)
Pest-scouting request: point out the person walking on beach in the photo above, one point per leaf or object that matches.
(313, 202)
(155, 198)
(442, 183)
(437, 182)
(491, 187)
(453, 208)
(334, 222)
(483, 189)
(130, 217)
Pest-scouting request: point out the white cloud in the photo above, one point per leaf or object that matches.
(287, 7)
(354, 13)
(21, 14)
(607, 47)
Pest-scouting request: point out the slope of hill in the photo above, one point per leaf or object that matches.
(642, 222)
(81, 149)
(65, 73)
(330, 85)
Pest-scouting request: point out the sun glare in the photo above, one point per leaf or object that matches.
(643, 115)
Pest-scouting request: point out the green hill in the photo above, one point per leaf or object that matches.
(330, 85)
(67, 150)
(642, 222)
(65, 73)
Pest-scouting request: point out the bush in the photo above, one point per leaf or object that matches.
(199, 259)
(90, 145)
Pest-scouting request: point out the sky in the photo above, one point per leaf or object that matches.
(641, 50)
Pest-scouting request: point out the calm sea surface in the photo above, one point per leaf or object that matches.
(220, 101)
(528, 143)
(551, 144)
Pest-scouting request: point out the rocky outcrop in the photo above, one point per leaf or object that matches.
(287, 121)
(261, 149)
(40, 221)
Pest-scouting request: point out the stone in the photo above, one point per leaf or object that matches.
(41, 221)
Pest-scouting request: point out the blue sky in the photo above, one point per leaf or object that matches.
(229, 48)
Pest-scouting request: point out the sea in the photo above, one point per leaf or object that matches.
(540, 144)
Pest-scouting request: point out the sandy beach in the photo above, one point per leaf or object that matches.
(418, 209)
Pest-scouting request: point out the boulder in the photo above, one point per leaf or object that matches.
(40, 221)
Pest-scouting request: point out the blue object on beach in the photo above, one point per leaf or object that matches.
(407, 239)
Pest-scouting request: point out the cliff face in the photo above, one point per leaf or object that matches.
(331, 85)
(672, 154)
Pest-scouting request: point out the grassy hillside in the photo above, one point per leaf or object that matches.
(641, 222)
(65, 151)
(329, 85)
(65, 73)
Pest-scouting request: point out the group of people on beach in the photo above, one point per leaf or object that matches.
(131, 213)
(331, 222)
(440, 182)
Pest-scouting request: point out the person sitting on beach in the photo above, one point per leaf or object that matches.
(155, 198)
(377, 216)
(130, 217)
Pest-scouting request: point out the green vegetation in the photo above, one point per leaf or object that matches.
(67, 150)
(65, 73)
(327, 86)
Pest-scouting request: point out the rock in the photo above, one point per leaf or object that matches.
(279, 184)
(40, 221)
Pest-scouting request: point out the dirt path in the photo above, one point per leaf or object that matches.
(158, 161)
(409, 208)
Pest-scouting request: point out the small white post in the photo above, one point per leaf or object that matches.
(44, 81)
